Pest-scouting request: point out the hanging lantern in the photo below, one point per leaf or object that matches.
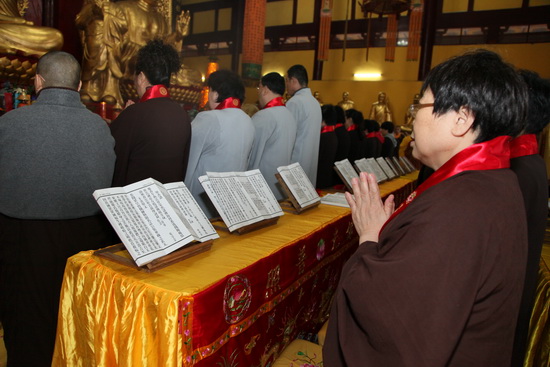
(385, 7)
(391, 8)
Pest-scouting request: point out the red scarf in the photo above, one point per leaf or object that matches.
(229, 103)
(376, 134)
(352, 127)
(327, 129)
(338, 125)
(155, 91)
(524, 145)
(492, 154)
(277, 101)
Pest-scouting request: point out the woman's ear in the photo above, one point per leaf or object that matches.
(463, 122)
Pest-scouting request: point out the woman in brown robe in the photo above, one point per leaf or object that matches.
(438, 281)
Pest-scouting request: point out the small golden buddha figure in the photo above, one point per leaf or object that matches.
(346, 103)
(408, 116)
(317, 96)
(380, 111)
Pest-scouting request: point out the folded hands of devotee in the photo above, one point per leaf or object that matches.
(368, 211)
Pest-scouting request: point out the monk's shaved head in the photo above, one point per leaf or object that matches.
(59, 69)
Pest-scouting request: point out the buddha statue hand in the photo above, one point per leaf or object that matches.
(182, 23)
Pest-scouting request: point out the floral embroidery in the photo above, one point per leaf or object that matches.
(273, 279)
(302, 260)
(237, 298)
(321, 249)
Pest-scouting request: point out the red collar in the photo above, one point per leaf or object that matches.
(277, 101)
(327, 129)
(155, 91)
(377, 135)
(338, 125)
(492, 154)
(229, 103)
(352, 127)
(524, 145)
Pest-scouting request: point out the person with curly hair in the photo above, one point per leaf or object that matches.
(153, 136)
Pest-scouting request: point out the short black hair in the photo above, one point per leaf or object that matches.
(158, 61)
(538, 114)
(387, 125)
(227, 84)
(482, 82)
(274, 82)
(340, 115)
(300, 73)
(372, 125)
(59, 69)
(357, 118)
(329, 114)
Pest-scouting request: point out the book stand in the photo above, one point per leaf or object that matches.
(348, 185)
(218, 223)
(192, 249)
(290, 204)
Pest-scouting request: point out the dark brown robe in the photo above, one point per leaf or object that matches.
(442, 287)
(152, 140)
(328, 145)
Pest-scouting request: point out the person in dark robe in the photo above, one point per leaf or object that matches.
(438, 281)
(373, 139)
(355, 127)
(328, 145)
(152, 136)
(342, 135)
(530, 169)
(389, 145)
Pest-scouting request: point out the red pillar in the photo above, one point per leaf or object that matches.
(253, 39)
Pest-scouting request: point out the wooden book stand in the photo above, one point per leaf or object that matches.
(218, 223)
(348, 185)
(290, 204)
(185, 252)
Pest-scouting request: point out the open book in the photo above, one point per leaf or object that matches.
(241, 198)
(153, 219)
(299, 185)
(346, 172)
(370, 166)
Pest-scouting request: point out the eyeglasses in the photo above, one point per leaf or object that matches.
(414, 108)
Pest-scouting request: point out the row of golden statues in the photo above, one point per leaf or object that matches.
(111, 34)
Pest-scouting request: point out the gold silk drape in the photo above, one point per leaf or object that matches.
(538, 348)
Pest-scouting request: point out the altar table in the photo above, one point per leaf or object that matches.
(240, 303)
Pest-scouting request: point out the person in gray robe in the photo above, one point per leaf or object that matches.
(275, 132)
(307, 112)
(222, 137)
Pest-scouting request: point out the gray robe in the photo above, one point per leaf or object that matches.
(222, 140)
(307, 112)
(275, 135)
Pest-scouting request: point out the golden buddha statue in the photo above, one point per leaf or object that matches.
(346, 103)
(317, 96)
(408, 116)
(20, 35)
(380, 111)
(112, 33)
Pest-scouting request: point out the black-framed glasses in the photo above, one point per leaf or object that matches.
(414, 108)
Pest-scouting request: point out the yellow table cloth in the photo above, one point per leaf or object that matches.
(241, 302)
